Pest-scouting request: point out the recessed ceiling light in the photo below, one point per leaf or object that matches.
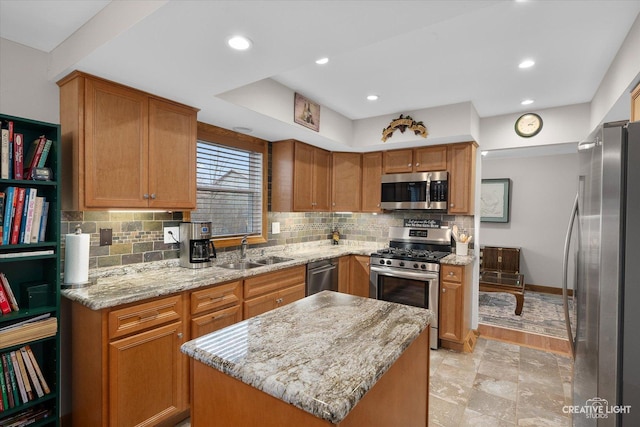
(527, 63)
(239, 43)
(322, 61)
(527, 102)
(372, 97)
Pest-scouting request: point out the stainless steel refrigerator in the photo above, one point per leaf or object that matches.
(606, 232)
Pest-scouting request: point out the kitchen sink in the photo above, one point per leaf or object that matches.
(240, 265)
(272, 260)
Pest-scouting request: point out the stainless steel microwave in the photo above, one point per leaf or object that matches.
(424, 190)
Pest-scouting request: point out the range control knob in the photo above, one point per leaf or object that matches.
(415, 265)
(388, 262)
(423, 266)
(381, 261)
(401, 264)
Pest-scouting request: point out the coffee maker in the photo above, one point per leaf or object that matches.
(196, 247)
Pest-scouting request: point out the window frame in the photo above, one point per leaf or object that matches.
(218, 135)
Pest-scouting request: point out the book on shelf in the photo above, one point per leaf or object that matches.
(25, 376)
(5, 308)
(45, 154)
(18, 153)
(37, 219)
(3, 390)
(36, 367)
(33, 156)
(21, 254)
(4, 284)
(30, 205)
(7, 382)
(27, 417)
(25, 332)
(8, 210)
(4, 154)
(17, 216)
(19, 378)
(2, 197)
(32, 372)
(43, 221)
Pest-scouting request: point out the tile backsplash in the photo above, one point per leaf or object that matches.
(138, 236)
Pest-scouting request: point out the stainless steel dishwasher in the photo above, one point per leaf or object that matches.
(322, 275)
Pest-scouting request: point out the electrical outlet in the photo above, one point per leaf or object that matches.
(275, 228)
(171, 234)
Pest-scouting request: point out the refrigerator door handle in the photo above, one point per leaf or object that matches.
(565, 269)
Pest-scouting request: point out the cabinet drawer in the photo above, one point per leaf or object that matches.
(211, 322)
(143, 316)
(265, 283)
(451, 273)
(216, 297)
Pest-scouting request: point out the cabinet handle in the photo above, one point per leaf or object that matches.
(378, 205)
(444, 290)
(452, 205)
(216, 299)
(149, 315)
(145, 196)
(417, 164)
(180, 335)
(451, 273)
(409, 165)
(153, 195)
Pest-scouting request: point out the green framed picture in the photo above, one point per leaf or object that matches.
(495, 196)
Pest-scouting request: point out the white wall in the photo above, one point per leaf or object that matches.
(24, 89)
(543, 191)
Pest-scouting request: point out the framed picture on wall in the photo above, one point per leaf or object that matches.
(306, 112)
(495, 195)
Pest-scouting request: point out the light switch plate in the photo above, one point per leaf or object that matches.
(275, 228)
(174, 237)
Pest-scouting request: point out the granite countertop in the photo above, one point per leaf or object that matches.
(454, 259)
(320, 354)
(115, 286)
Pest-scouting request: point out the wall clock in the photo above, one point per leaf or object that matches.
(528, 125)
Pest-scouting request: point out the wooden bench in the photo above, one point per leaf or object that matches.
(500, 272)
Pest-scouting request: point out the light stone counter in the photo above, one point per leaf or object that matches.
(454, 259)
(320, 354)
(115, 286)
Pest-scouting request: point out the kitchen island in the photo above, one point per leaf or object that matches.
(328, 359)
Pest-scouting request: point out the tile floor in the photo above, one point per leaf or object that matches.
(498, 385)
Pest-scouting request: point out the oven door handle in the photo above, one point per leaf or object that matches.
(420, 275)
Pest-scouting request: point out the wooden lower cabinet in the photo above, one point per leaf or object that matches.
(127, 367)
(147, 377)
(211, 322)
(454, 316)
(272, 290)
(359, 276)
(343, 274)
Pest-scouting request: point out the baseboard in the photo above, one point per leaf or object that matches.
(546, 289)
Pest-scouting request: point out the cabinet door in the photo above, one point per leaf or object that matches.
(147, 377)
(211, 322)
(115, 147)
(635, 104)
(172, 156)
(371, 173)
(430, 159)
(346, 182)
(359, 276)
(462, 174)
(303, 177)
(322, 180)
(398, 161)
(254, 306)
(450, 311)
(289, 295)
(343, 274)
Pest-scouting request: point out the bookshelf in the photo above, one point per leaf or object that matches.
(32, 271)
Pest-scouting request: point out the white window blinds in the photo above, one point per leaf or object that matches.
(229, 189)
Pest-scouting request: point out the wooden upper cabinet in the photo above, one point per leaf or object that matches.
(398, 161)
(429, 159)
(123, 148)
(462, 178)
(635, 104)
(346, 182)
(425, 159)
(371, 174)
(300, 177)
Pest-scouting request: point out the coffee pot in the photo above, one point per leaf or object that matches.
(196, 247)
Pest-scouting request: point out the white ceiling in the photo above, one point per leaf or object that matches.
(413, 54)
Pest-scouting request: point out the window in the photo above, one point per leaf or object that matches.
(230, 186)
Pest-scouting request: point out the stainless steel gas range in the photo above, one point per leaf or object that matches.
(408, 271)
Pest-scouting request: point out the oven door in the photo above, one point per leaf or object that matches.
(416, 288)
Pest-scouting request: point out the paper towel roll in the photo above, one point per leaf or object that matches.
(76, 258)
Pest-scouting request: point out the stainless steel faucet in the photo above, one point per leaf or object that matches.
(243, 248)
